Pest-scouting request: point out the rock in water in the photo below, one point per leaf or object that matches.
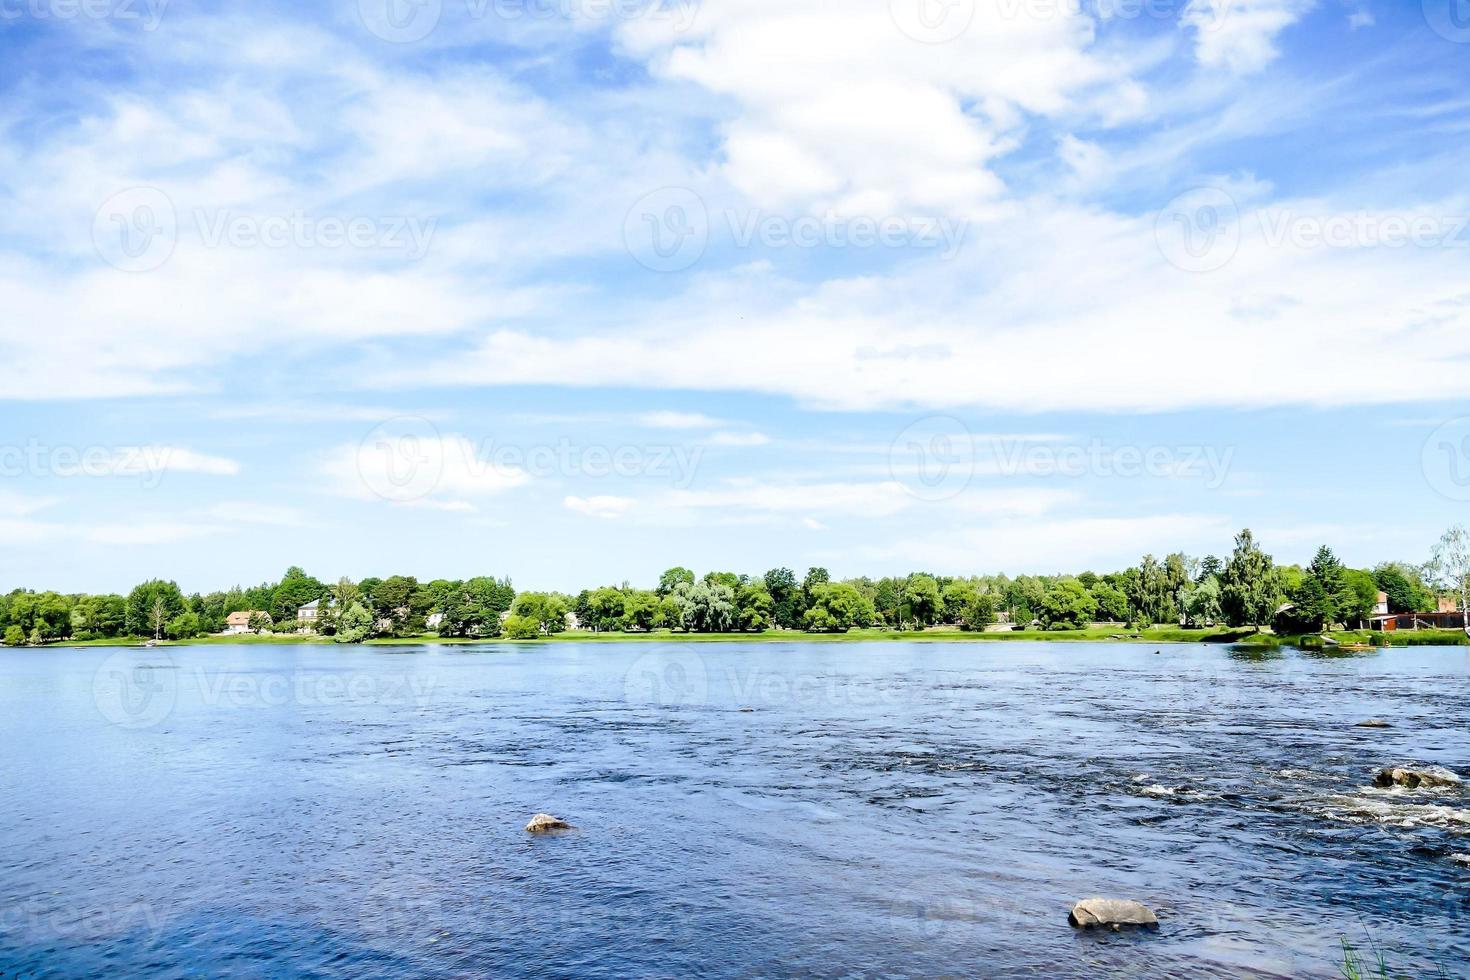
(1114, 912)
(1415, 778)
(544, 823)
(1373, 723)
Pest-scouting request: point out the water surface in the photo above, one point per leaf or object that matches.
(889, 809)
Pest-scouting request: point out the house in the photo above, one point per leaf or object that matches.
(310, 612)
(239, 622)
(1446, 617)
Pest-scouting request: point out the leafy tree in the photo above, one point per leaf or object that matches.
(184, 626)
(979, 612)
(640, 610)
(150, 606)
(1067, 605)
(260, 622)
(921, 595)
(295, 590)
(519, 627)
(1210, 567)
(606, 606)
(354, 625)
(837, 608)
(14, 636)
(705, 608)
(1449, 569)
(674, 577)
(1202, 603)
(1404, 587)
(786, 597)
(547, 609)
(1250, 588)
(753, 604)
(1112, 603)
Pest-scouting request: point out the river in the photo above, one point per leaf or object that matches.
(743, 809)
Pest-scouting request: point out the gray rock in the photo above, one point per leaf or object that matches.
(1373, 723)
(1113, 912)
(545, 823)
(1429, 776)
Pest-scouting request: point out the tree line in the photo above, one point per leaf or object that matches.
(1245, 589)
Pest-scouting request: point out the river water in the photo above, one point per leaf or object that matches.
(881, 809)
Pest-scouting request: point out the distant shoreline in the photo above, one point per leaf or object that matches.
(1159, 634)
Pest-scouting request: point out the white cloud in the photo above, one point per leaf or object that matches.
(676, 420)
(1240, 35)
(885, 124)
(414, 466)
(738, 439)
(606, 507)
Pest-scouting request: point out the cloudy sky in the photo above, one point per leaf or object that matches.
(575, 290)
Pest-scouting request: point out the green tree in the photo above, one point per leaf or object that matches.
(1449, 569)
(184, 626)
(640, 610)
(979, 612)
(548, 609)
(921, 595)
(1202, 603)
(753, 606)
(1250, 588)
(837, 608)
(14, 636)
(354, 625)
(1067, 605)
(1112, 604)
(785, 592)
(519, 627)
(151, 605)
(1404, 587)
(674, 577)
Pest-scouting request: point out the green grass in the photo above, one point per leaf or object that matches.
(1264, 640)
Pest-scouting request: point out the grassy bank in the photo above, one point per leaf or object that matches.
(1156, 634)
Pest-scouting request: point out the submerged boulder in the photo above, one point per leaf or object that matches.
(545, 823)
(1373, 723)
(1429, 776)
(1113, 912)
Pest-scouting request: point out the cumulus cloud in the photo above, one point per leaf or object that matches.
(606, 507)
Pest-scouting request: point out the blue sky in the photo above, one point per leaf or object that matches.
(575, 290)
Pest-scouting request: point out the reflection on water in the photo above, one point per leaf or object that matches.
(743, 810)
